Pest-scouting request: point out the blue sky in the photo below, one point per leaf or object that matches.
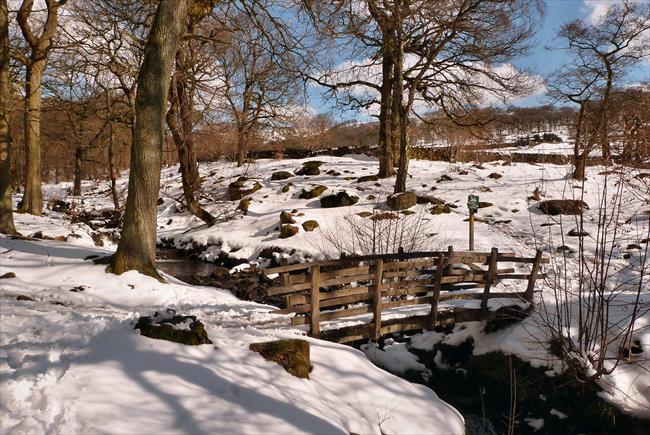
(540, 61)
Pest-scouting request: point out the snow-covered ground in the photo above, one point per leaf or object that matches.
(51, 352)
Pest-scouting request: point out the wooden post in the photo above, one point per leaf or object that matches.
(440, 264)
(489, 278)
(533, 276)
(450, 253)
(314, 273)
(286, 282)
(375, 331)
(471, 231)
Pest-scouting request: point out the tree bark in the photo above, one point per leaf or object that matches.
(137, 247)
(32, 201)
(578, 161)
(398, 104)
(386, 157)
(78, 161)
(6, 208)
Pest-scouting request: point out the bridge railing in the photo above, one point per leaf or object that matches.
(328, 290)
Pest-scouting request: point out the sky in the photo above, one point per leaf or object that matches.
(540, 61)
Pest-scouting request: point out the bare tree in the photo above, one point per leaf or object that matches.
(40, 47)
(6, 206)
(137, 245)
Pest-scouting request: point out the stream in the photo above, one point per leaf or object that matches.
(483, 388)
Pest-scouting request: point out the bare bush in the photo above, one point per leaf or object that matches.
(380, 232)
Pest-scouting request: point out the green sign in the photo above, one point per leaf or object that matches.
(472, 203)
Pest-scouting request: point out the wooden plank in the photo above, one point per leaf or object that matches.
(489, 278)
(403, 274)
(352, 271)
(514, 259)
(349, 299)
(315, 301)
(377, 301)
(398, 265)
(294, 279)
(334, 294)
(468, 277)
(533, 276)
(440, 265)
(332, 315)
(281, 290)
(407, 302)
(408, 291)
(326, 283)
(406, 284)
(525, 276)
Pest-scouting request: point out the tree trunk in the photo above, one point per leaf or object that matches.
(581, 164)
(78, 161)
(241, 147)
(32, 201)
(398, 105)
(111, 166)
(386, 157)
(137, 247)
(579, 171)
(6, 207)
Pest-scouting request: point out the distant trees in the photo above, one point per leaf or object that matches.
(6, 206)
(39, 47)
(137, 246)
(601, 55)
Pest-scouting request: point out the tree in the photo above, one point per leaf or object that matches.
(40, 47)
(137, 246)
(6, 207)
(604, 52)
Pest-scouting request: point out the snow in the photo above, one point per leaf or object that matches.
(79, 367)
(558, 414)
(535, 423)
(43, 345)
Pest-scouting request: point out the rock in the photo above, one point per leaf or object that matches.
(38, 235)
(630, 246)
(463, 172)
(341, 199)
(646, 240)
(243, 206)
(440, 209)
(564, 248)
(173, 327)
(402, 201)
(366, 178)
(485, 189)
(429, 200)
(8, 275)
(60, 206)
(333, 173)
(383, 216)
(292, 354)
(484, 204)
(25, 298)
(444, 178)
(240, 188)
(315, 192)
(407, 212)
(364, 214)
(310, 225)
(160, 201)
(77, 289)
(281, 175)
(220, 272)
(371, 197)
(286, 218)
(287, 231)
(547, 224)
(642, 175)
(563, 206)
(310, 168)
(495, 175)
(286, 188)
(575, 233)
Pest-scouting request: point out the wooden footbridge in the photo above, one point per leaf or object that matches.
(371, 296)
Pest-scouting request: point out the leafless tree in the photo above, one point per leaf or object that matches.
(6, 206)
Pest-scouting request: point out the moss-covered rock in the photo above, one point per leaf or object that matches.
(440, 209)
(402, 201)
(170, 326)
(241, 188)
(384, 216)
(286, 218)
(341, 199)
(310, 225)
(310, 168)
(293, 355)
(287, 231)
(286, 188)
(367, 178)
(314, 192)
(281, 175)
(563, 206)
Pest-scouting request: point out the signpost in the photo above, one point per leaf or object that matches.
(472, 205)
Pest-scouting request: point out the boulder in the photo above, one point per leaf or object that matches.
(287, 218)
(366, 178)
(287, 231)
(281, 175)
(495, 175)
(440, 209)
(364, 214)
(484, 204)
(402, 201)
(407, 212)
(292, 354)
(240, 188)
(310, 225)
(8, 275)
(310, 168)
(383, 216)
(444, 178)
(563, 206)
(25, 298)
(575, 233)
(168, 325)
(341, 199)
(314, 192)
(244, 203)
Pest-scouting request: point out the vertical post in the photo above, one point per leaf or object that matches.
(286, 282)
(489, 278)
(450, 253)
(471, 231)
(314, 273)
(375, 331)
(440, 264)
(533, 276)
